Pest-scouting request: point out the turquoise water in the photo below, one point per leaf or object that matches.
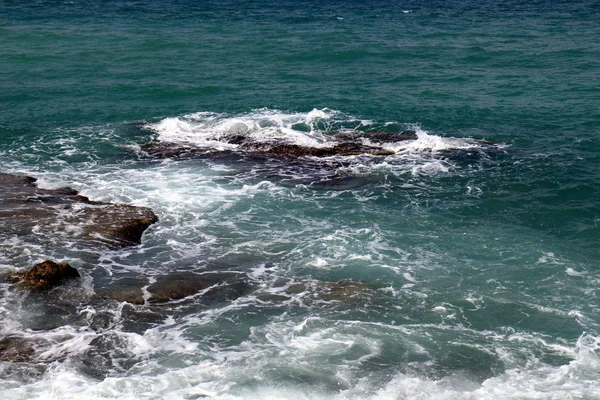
(479, 258)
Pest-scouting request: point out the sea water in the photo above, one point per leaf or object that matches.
(470, 255)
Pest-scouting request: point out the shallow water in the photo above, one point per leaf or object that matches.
(462, 266)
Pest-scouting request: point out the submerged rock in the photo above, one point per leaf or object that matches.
(217, 287)
(177, 286)
(128, 290)
(44, 275)
(25, 208)
(107, 354)
(310, 292)
(346, 290)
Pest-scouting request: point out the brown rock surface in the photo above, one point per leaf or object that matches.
(177, 286)
(343, 144)
(346, 291)
(44, 275)
(17, 349)
(218, 286)
(25, 208)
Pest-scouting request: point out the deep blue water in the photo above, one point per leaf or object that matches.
(473, 250)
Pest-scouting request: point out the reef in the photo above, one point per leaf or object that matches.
(27, 209)
(177, 286)
(340, 144)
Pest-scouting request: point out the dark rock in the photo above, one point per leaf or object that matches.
(106, 354)
(173, 150)
(216, 287)
(343, 144)
(331, 290)
(44, 275)
(340, 144)
(345, 290)
(181, 285)
(209, 286)
(17, 349)
(25, 207)
(236, 139)
(127, 290)
(118, 225)
(378, 137)
(343, 149)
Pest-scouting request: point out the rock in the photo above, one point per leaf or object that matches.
(173, 150)
(44, 275)
(343, 144)
(127, 290)
(181, 285)
(217, 287)
(345, 291)
(25, 208)
(107, 354)
(17, 349)
(378, 137)
(343, 149)
(117, 225)
(177, 286)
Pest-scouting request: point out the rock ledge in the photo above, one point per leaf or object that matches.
(44, 275)
(27, 209)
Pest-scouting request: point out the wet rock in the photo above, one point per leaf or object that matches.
(17, 349)
(209, 286)
(342, 144)
(117, 225)
(23, 373)
(236, 139)
(215, 287)
(378, 137)
(345, 290)
(179, 286)
(44, 275)
(127, 290)
(107, 354)
(173, 150)
(25, 208)
(343, 149)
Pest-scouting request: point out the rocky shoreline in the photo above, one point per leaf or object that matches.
(64, 214)
(55, 287)
(25, 208)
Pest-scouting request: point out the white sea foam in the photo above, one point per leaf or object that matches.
(428, 142)
(297, 345)
(312, 129)
(536, 382)
(572, 272)
(275, 356)
(205, 129)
